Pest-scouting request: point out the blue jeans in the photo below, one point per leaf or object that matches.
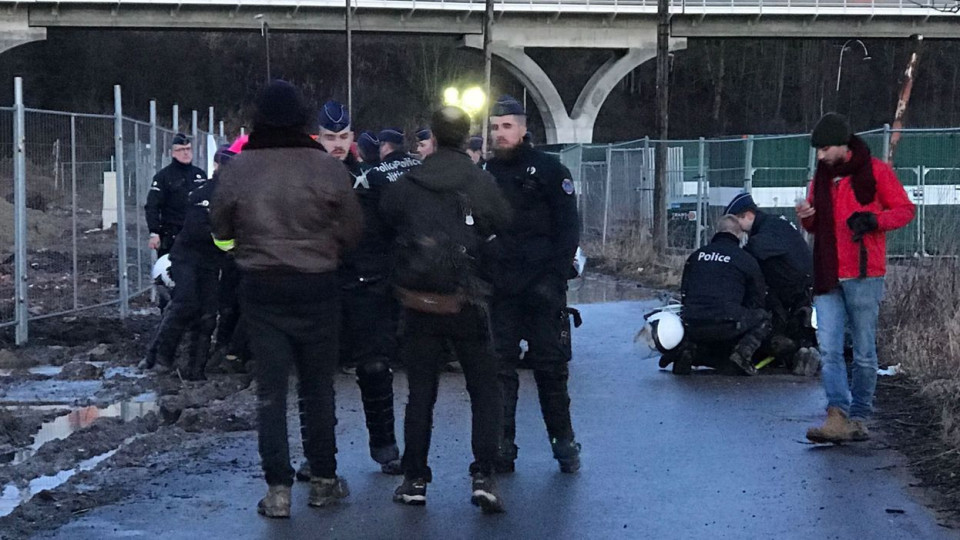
(854, 302)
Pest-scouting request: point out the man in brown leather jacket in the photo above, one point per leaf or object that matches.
(289, 208)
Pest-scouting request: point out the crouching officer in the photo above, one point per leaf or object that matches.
(368, 330)
(534, 261)
(167, 200)
(723, 295)
(195, 265)
(787, 265)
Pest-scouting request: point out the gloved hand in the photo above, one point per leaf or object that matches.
(861, 223)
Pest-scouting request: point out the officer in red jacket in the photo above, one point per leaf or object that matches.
(853, 201)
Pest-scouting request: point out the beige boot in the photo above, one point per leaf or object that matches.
(327, 491)
(277, 502)
(859, 431)
(836, 429)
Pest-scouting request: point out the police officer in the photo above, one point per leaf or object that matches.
(534, 261)
(723, 297)
(394, 159)
(368, 146)
(195, 265)
(475, 149)
(425, 143)
(167, 200)
(787, 265)
(367, 332)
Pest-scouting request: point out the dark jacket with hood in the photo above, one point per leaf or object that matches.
(439, 216)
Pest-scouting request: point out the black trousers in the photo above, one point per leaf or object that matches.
(536, 314)
(368, 341)
(193, 306)
(230, 334)
(422, 341)
(293, 324)
(710, 343)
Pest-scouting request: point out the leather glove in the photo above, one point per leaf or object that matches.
(861, 223)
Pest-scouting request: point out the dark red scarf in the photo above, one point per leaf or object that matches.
(826, 266)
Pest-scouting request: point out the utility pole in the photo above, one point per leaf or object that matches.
(349, 60)
(663, 104)
(487, 66)
(909, 75)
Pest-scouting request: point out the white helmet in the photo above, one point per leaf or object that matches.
(666, 329)
(161, 269)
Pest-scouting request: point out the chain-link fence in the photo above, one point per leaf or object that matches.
(616, 184)
(74, 188)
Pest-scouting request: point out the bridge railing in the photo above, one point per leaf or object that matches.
(615, 184)
(73, 189)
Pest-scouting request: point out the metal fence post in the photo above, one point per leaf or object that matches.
(701, 181)
(193, 134)
(154, 156)
(811, 163)
(176, 118)
(210, 122)
(121, 204)
(606, 197)
(73, 207)
(222, 137)
(20, 213)
(886, 141)
(748, 166)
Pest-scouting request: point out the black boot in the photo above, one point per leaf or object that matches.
(567, 454)
(376, 391)
(198, 353)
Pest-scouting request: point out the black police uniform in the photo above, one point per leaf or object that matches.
(723, 296)
(195, 268)
(368, 310)
(787, 265)
(533, 262)
(167, 201)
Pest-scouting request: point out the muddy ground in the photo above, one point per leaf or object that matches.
(122, 430)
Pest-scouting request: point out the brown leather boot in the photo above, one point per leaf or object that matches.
(836, 429)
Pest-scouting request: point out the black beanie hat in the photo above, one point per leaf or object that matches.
(450, 126)
(831, 130)
(281, 106)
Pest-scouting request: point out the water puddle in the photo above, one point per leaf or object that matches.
(595, 289)
(46, 371)
(52, 371)
(13, 496)
(79, 418)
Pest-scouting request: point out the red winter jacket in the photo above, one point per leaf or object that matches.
(892, 207)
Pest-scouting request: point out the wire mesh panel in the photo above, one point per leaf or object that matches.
(7, 289)
(628, 207)
(725, 177)
(138, 166)
(593, 179)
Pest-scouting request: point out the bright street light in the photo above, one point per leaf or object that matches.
(471, 100)
(451, 97)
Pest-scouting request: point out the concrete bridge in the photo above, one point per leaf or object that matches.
(628, 26)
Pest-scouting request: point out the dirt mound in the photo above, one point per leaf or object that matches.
(42, 229)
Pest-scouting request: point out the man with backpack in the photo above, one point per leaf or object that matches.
(441, 215)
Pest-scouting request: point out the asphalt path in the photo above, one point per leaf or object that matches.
(704, 456)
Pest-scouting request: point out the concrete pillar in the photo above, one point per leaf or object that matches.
(576, 126)
(15, 30)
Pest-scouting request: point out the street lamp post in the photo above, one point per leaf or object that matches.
(265, 32)
(866, 56)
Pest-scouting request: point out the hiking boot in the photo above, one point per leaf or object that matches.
(683, 362)
(327, 491)
(836, 429)
(859, 431)
(393, 468)
(412, 492)
(484, 494)
(303, 473)
(567, 454)
(276, 504)
(743, 363)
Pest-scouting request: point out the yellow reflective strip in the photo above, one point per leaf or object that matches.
(224, 245)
